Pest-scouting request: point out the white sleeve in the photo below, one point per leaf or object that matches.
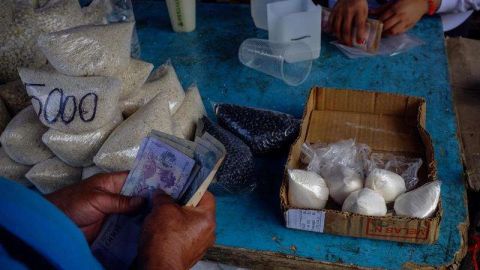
(457, 6)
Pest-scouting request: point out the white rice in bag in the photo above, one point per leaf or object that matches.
(191, 110)
(119, 151)
(78, 150)
(89, 50)
(163, 80)
(22, 138)
(13, 170)
(72, 104)
(134, 77)
(53, 174)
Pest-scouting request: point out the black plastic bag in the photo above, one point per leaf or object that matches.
(236, 175)
(264, 131)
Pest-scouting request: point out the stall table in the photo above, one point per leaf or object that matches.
(250, 229)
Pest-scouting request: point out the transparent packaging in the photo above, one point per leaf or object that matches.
(53, 174)
(78, 150)
(389, 46)
(236, 175)
(89, 50)
(406, 167)
(365, 202)
(419, 203)
(290, 62)
(72, 104)
(306, 190)
(97, 12)
(341, 164)
(163, 80)
(13, 170)
(122, 11)
(21, 139)
(189, 113)
(120, 149)
(133, 77)
(264, 131)
(389, 184)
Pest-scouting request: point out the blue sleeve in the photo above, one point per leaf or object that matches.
(39, 224)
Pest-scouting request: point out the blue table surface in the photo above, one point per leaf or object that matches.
(208, 58)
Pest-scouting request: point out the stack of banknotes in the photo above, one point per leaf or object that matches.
(180, 168)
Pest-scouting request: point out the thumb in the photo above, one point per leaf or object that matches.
(119, 204)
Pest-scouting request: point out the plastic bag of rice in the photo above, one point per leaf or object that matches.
(72, 104)
(22, 138)
(188, 114)
(4, 116)
(89, 50)
(78, 150)
(97, 12)
(163, 80)
(13, 170)
(53, 174)
(57, 15)
(15, 96)
(134, 77)
(119, 151)
(88, 172)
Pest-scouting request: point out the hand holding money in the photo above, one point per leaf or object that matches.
(176, 237)
(89, 202)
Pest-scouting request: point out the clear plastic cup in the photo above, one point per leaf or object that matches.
(290, 62)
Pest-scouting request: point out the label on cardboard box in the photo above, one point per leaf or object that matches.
(307, 220)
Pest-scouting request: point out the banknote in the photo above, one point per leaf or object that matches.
(158, 166)
(185, 146)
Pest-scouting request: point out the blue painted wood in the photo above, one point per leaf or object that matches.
(208, 57)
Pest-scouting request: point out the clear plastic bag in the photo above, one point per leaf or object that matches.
(264, 131)
(163, 80)
(306, 189)
(406, 167)
(13, 170)
(52, 174)
(134, 77)
(419, 203)
(120, 149)
(72, 104)
(55, 15)
(389, 46)
(22, 138)
(365, 202)
(189, 113)
(236, 175)
(89, 50)
(97, 11)
(341, 164)
(122, 11)
(78, 150)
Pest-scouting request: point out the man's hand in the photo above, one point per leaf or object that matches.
(347, 15)
(89, 202)
(398, 17)
(176, 237)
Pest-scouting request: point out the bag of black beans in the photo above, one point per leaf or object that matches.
(264, 131)
(236, 175)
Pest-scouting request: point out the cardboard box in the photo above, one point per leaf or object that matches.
(385, 122)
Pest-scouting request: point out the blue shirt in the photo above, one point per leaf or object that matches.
(34, 223)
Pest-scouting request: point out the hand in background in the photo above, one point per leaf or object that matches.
(398, 17)
(176, 237)
(88, 203)
(347, 15)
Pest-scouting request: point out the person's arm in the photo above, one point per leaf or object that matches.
(176, 237)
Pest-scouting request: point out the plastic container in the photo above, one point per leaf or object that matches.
(259, 12)
(290, 62)
(182, 15)
(295, 20)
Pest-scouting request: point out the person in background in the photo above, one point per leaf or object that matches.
(53, 232)
(397, 16)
